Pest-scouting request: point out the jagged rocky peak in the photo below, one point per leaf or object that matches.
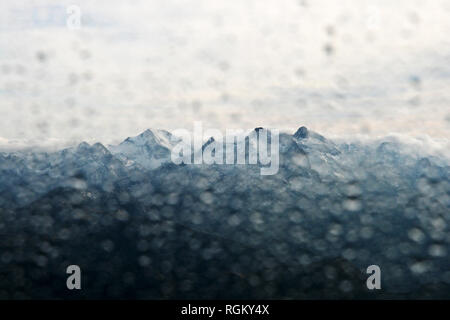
(148, 134)
(302, 133)
(85, 148)
(83, 145)
(151, 137)
(144, 136)
(100, 148)
(305, 133)
(98, 145)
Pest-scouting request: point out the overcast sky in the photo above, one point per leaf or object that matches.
(342, 68)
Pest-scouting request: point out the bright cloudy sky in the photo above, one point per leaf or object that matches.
(342, 68)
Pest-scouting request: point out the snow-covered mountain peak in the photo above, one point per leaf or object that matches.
(151, 137)
(149, 149)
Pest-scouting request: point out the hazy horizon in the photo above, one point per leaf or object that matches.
(347, 69)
